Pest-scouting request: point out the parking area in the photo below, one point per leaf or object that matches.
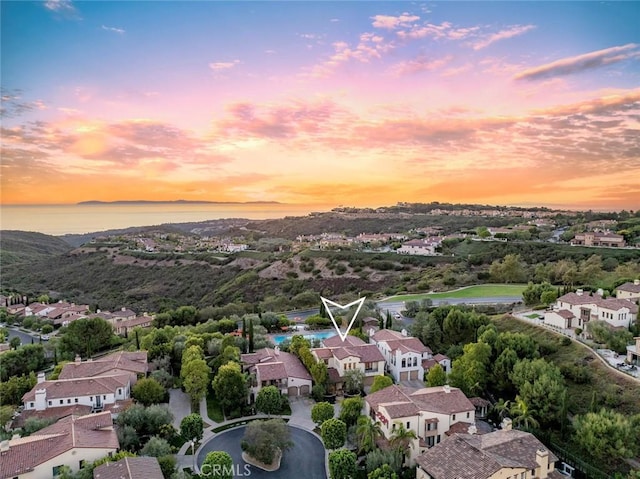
(618, 361)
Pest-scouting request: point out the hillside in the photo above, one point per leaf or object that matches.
(23, 246)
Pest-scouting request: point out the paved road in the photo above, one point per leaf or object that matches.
(305, 459)
(25, 338)
(398, 306)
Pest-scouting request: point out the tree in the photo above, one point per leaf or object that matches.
(269, 400)
(230, 386)
(251, 338)
(377, 458)
(192, 427)
(350, 410)
(342, 464)
(523, 415)
(321, 412)
(383, 472)
(509, 270)
(156, 447)
(334, 433)
(167, 465)
(436, 376)
(367, 433)
(606, 435)
(86, 336)
(380, 382)
(469, 372)
(195, 379)
(402, 439)
(148, 391)
(15, 342)
(218, 465)
(264, 440)
(353, 381)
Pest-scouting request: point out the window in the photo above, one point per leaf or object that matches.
(68, 401)
(49, 403)
(76, 400)
(468, 415)
(61, 401)
(119, 390)
(91, 398)
(81, 463)
(104, 397)
(453, 417)
(57, 470)
(404, 363)
(393, 428)
(30, 404)
(408, 424)
(415, 361)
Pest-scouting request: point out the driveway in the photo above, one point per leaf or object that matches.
(305, 459)
(180, 405)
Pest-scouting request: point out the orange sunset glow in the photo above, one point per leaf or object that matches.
(331, 103)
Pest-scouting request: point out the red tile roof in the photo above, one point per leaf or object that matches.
(336, 342)
(434, 399)
(129, 468)
(474, 456)
(134, 362)
(71, 432)
(292, 365)
(613, 304)
(68, 388)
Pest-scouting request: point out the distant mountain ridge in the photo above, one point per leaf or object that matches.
(169, 202)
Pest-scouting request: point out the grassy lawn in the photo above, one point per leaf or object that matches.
(478, 291)
(612, 390)
(213, 409)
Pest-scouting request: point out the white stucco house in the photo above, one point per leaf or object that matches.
(71, 441)
(429, 412)
(98, 392)
(404, 355)
(629, 290)
(574, 310)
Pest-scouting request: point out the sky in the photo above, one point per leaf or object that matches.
(315, 102)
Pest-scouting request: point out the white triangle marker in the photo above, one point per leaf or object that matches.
(328, 302)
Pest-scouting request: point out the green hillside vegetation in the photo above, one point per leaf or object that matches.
(21, 246)
(587, 377)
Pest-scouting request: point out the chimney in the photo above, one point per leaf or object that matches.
(472, 429)
(506, 424)
(124, 309)
(404, 332)
(40, 377)
(579, 292)
(276, 350)
(78, 359)
(636, 282)
(542, 458)
(600, 292)
(446, 388)
(4, 445)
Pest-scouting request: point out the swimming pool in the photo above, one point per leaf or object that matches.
(277, 339)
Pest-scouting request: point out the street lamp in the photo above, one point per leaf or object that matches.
(193, 454)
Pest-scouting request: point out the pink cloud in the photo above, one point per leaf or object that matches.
(390, 22)
(510, 32)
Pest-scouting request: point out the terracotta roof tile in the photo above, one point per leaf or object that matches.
(90, 431)
(129, 468)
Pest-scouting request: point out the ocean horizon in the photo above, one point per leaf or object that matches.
(58, 220)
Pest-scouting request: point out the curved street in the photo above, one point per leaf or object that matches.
(305, 459)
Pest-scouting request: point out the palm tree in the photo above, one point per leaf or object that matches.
(402, 439)
(367, 433)
(523, 414)
(502, 408)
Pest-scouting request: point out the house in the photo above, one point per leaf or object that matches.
(595, 238)
(352, 353)
(133, 363)
(130, 468)
(71, 441)
(424, 247)
(403, 354)
(429, 412)
(629, 290)
(482, 406)
(506, 453)
(574, 310)
(96, 392)
(272, 367)
(440, 359)
(633, 352)
(122, 327)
